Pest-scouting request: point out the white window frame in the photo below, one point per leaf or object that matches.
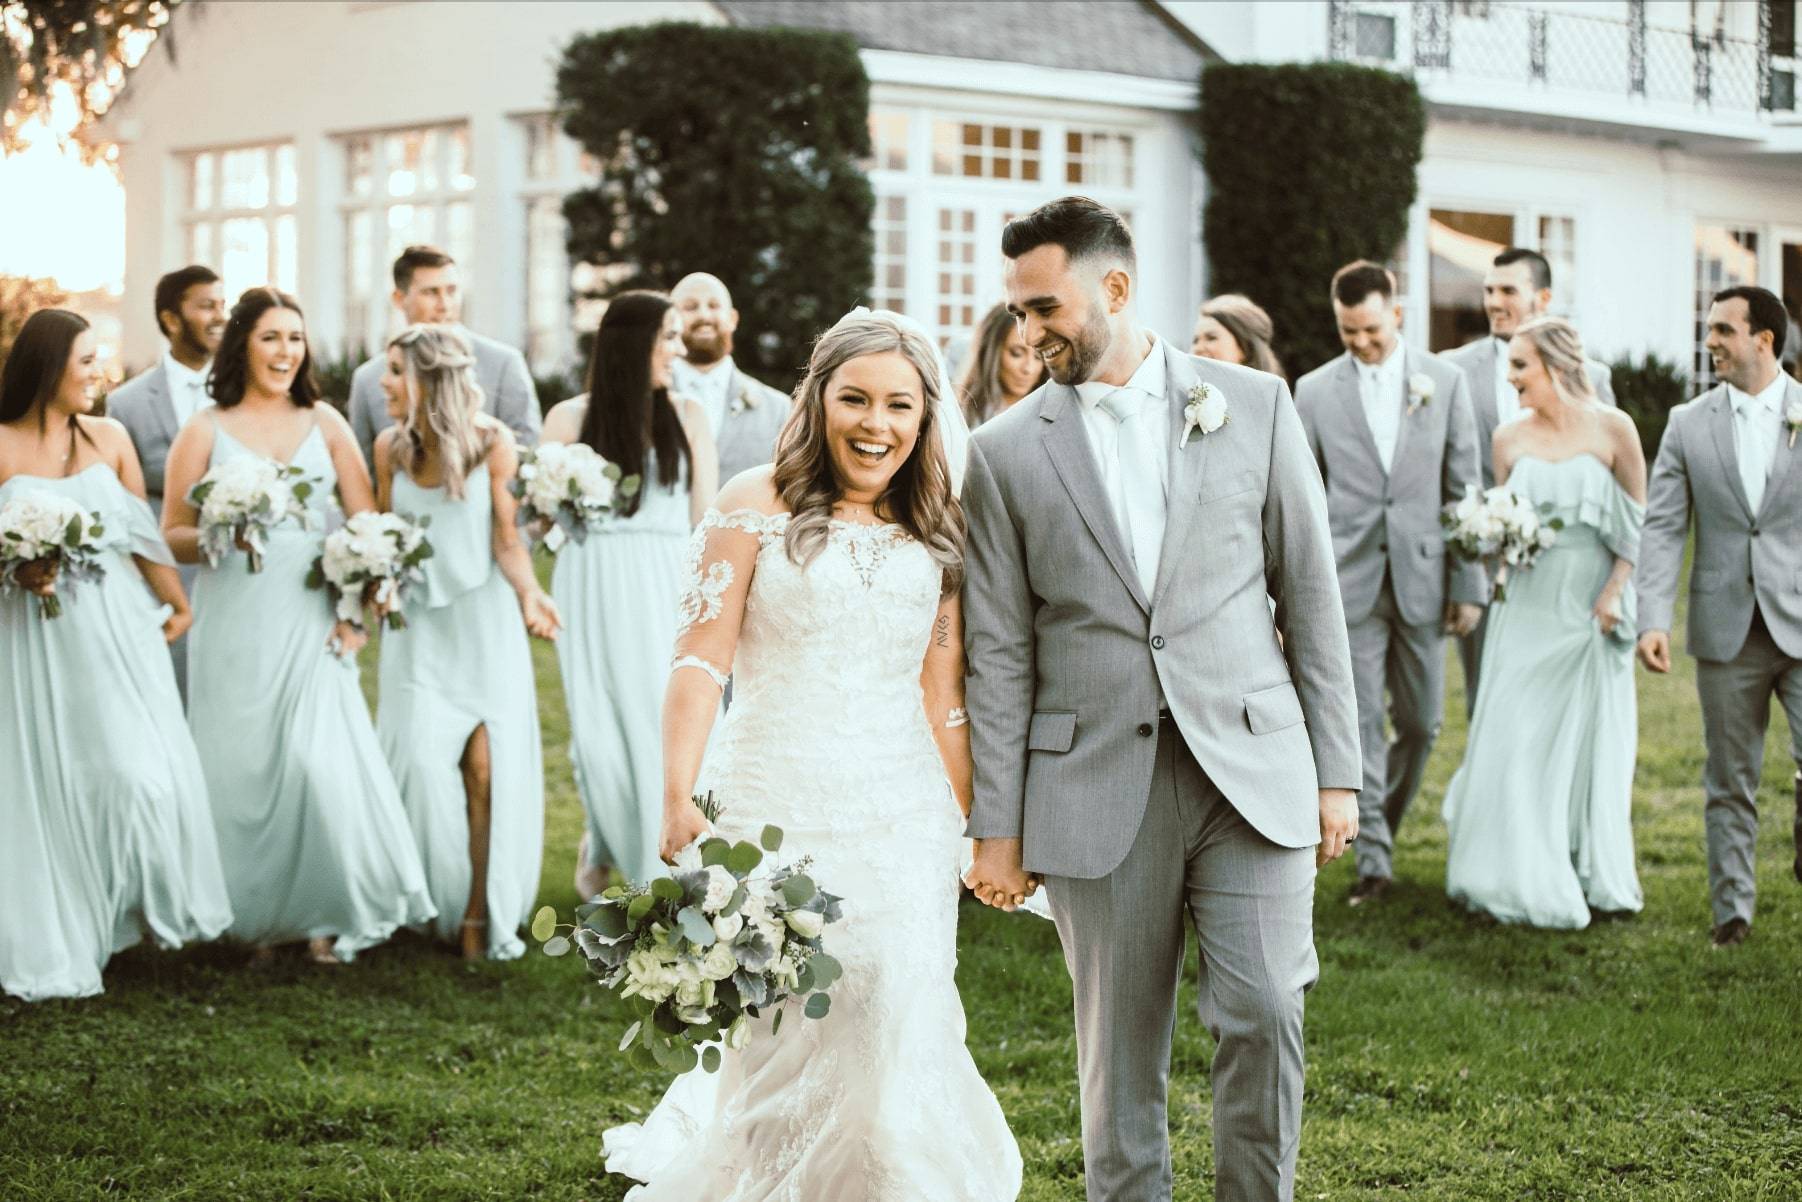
(550, 334)
(276, 213)
(1417, 300)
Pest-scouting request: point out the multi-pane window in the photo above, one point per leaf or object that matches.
(1461, 246)
(888, 139)
(1098, 158)
(975, 150)
(555, 166)
(401, 187)
(957, 305)
(890, 229)
(1726, 257)
(239, 216)
(1558, 243)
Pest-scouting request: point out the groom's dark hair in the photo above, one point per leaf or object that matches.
(1763, 312)
(1083, 227)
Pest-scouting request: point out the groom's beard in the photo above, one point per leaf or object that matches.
(1085, 352)
(706, 343)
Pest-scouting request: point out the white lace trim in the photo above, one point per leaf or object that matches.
(695, 661)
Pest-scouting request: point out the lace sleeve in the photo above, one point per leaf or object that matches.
(721, 560)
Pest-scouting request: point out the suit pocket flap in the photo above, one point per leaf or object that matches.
(1051, 730)
(1432, 545)
(1272, 709)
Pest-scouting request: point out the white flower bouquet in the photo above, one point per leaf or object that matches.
(698, 955)
(241, 500)
(1499, 525)
(374, 557)
(39, 528)
(571, 487)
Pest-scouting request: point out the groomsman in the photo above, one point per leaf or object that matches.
(1517, 289)
(1729, 463)
(1392, 431)
(153, 405)
(746, 415)
(427, 288)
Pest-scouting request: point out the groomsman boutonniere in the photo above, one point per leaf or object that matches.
(742, 400)
(1420, 391)
(1792, 418)
(1206, 411)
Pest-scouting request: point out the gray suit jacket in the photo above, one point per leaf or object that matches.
(1066, 653)
(755, 414)
(1390, 521)
(507, 393)
(1741, 557)
(142, 406)
(1478, 361)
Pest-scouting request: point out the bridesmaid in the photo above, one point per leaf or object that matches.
(459, 708)
(1539, 814)
(619, 588)
(104, 828)
(314, 839)
(1001, 369)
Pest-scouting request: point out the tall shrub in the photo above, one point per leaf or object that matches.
(1647, 390)
(1309, 166)
(731, 151)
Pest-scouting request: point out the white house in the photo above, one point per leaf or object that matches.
(307, 143)
(1651, 149)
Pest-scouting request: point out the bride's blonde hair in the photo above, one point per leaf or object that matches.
(919, 496)
(1560, 348)
(442, 394)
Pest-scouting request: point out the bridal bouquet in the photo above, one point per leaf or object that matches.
(242, 500)
(44, 529)
(1499, 524)
(698, 955)
(373, 557)
(571, 487)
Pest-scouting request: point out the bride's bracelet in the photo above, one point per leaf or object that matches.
(959, 716)
(695, 661)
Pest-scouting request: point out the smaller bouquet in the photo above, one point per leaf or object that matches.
(1501, 525)
(571, 487)
(241, 500)
(44, 530)
(697, 955)
(372, 558)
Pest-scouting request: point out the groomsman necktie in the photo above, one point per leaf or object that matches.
(1137, 493)
(1755, 424)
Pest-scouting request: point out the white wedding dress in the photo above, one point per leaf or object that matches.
(827, 738)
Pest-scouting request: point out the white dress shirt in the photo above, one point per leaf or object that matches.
(187, 389)
(709, 387)
(1384, 392)
(1134, 457)
(1507, 401)
(1757, 421)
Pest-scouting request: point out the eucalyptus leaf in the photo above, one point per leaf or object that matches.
(631, 1036)
(664, 889)
(639, 907)
(715, 852)
(557, 945)
(776, 1022)
(744, 859)
(772, 838)
(695, 927)
(826, 970)
(797, 891)
(818, 1005)
(710, 1059)
(686, 1058)
(544, 923)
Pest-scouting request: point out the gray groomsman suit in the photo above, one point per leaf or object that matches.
(746, 420)
(507, 394)
(1478, 359)
(1745, 614)
(1136, 817)
(1395, 577)
(143, 407)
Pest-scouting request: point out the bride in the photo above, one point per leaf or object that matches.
(827, 585)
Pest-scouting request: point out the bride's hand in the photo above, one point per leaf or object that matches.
(682, 824)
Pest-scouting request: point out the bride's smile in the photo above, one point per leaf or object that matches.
(873, 410)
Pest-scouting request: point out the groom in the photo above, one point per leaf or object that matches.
(1145, 743)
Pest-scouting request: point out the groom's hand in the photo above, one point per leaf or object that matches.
(996, 876)
(1338, 824)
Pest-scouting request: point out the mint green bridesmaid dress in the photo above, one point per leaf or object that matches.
(105, 834)
(463, 662)
(310, 824)
(1539, 814)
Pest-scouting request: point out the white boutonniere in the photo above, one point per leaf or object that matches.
(1420, 391)
(1206, 411)
(1792, 419)
(742, 400)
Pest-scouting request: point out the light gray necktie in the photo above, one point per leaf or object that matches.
(1754, 454)
(1138, 492)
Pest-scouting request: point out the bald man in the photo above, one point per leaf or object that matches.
(746, 415)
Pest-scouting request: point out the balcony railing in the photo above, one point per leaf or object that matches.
(1558, 50)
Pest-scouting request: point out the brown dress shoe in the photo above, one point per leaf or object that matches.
(1368, 888)
(1731, 932)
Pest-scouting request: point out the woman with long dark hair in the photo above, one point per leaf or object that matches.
(315, 843)
(1002, 369)
(617, 589)
(105, 835)
(459, 710)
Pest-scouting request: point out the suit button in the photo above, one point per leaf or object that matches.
(1157, 642)
(1145, 729)
(1755, 532)
(1388, 501)
(1384, 548)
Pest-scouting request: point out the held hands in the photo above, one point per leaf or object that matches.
(1655, 650)
(346, 640)
(1338, 824)
(1461, 618)
(683, 823)
(996, 876)
(176, 624)
(542, 619)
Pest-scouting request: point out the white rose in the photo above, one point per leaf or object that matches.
(719, 962)
(720, 887)
(738, 1034)
(727, 926)
(806, 923)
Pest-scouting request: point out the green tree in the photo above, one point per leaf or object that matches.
(87, 46)
(731, 151)
(1309, 166)
(1647, 390)
(20, 297)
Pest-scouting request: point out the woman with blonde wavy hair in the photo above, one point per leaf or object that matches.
(826, 586)
(459, 711)
(1546, 838)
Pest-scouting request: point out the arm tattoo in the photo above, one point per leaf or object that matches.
(941, 629)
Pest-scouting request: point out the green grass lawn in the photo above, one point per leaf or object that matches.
(1448, 1058)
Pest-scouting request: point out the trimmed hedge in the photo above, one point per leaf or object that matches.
(1647, 390)
(1309, 166)
(731, 151)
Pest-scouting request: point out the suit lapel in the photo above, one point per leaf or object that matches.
(1352, 404)
(162, 402)
(1720, 421)
(1188, 465)
(1785, 471)
(1067, 442)
(1404, 429)
(1482, 390)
